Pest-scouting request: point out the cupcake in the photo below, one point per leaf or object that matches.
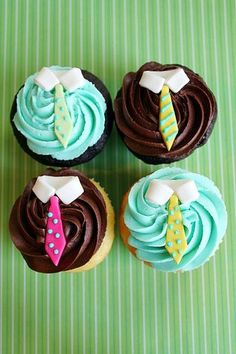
(63, 221)
(164, 112)
(62, 116)
(173, 220)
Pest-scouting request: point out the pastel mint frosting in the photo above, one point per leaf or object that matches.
(35, 118)
(204, 220)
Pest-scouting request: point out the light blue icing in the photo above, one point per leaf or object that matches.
(35, 118)
(205, 222)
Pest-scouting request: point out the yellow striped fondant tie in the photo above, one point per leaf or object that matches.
(63, 125)
(176, 243)
(162, 82)
(167, 120)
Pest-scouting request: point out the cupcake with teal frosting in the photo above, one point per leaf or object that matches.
(62, 116)
(173, 220)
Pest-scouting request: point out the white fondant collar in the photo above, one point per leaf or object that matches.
(67, 188)
(71, 79)
(160, 191)
(176, 79)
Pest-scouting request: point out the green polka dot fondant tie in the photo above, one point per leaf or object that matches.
(70, 80)
(176, 243)
(63, 125)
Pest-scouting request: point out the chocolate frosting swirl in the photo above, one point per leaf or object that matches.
(137, 116)
(84, 222)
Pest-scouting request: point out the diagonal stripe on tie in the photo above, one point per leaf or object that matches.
(63, 125)
(176, 243)
(167, 120)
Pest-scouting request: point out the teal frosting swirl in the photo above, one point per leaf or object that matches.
(205, 222)
(35, 118)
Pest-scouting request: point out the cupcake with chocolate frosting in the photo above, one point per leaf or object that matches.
(173, 220)
(63, 221)
(62, 116)
(164, 112)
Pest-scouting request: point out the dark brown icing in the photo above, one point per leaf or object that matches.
(84, 223)
(137, 115)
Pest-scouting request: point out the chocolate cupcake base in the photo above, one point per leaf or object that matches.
(92, 151)
(156, 160)
(137, 111)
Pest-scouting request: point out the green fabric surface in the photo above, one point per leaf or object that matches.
(122, 306)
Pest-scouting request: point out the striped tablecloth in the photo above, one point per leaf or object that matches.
(121, 306)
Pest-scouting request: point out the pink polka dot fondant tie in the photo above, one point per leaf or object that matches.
(55, 239)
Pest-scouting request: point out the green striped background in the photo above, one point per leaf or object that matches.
(121, 306)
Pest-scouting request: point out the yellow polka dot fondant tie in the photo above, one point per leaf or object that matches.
(176, 243)
(167, 120)
(63, 125)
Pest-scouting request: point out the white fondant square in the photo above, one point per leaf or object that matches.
(72, 79)
(46, 79)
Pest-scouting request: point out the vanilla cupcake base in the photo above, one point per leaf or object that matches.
(107, 242)
(208, 211)
(87, 222)
(124, 231)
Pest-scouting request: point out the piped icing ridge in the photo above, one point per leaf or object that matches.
(204, 220)
(35, 118)
(84, 223)
(137, 114)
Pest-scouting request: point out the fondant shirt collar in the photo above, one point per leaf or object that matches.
(176, 79)
(71, 79)
(160, 191)
(67, 188)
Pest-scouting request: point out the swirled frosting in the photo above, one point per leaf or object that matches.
(35, 118)
(84, 223)
(137, 115)
(204, 221)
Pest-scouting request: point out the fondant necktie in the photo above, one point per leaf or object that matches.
(176, 243)
(55, 239)
(167, 120)
(63, 123)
